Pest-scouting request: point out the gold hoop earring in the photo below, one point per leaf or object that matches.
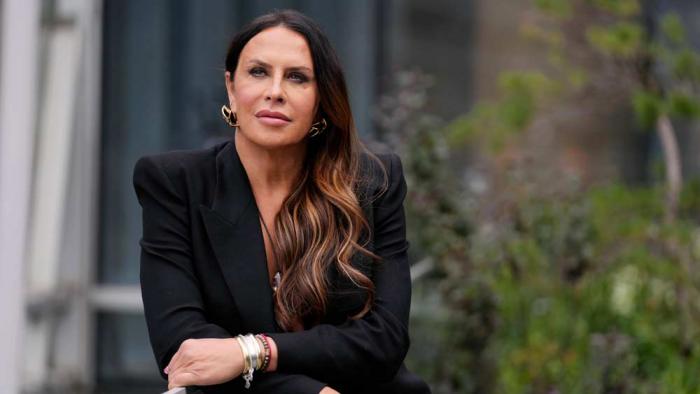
(317, 128)
(229, 116)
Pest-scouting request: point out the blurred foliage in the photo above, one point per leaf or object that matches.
(594, 294)
(584, 289)
(663, 69)
(521, 91)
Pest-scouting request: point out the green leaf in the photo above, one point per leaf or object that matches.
(624, 39)
(530, 83)
(624, 8)
(672, 28)
(684, 105)
(556, 8)
(647, 107)
(522, 90)
(686, 65)
(461, 130)
(517, 111)
(550, 37)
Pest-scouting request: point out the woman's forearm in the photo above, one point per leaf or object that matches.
(273, 365)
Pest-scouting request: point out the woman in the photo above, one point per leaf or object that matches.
(291, 230)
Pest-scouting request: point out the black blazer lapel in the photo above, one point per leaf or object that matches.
(233, 228)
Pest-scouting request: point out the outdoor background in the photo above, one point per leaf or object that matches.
(550, 149)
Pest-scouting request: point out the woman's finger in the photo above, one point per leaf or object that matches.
(182, 379)
(178, 358)
(174, 362)
(205, 362)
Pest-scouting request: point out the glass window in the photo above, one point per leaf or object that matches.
(162, 87)
(125, 359)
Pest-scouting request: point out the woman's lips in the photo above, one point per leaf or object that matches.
(270, 121)
(272, 118)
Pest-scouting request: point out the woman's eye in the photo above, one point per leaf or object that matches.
(298, 77)
(257, 71)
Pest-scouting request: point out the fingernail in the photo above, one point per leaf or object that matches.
(166, 370)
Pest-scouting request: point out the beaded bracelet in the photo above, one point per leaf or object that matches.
(266, 345)
(249, 363)
(254, 357)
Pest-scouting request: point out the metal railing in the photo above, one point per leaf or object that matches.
(177, 390)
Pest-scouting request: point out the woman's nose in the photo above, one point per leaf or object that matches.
(275, 90)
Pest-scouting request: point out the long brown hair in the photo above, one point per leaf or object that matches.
(321, 222)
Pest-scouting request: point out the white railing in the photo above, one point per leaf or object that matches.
(176, 390)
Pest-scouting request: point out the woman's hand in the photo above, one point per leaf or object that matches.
(203, 362)
(328, 390)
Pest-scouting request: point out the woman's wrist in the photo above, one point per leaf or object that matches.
(240, 367)
(263, 342)
(273, 355)
(263, 345)
(255, 355)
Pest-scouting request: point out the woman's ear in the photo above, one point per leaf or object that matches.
(229, 90)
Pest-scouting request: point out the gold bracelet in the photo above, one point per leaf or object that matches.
(244, 352)
(248, 356)
(254, 349)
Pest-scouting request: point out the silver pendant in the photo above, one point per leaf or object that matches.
(248, 377)
(277, 279)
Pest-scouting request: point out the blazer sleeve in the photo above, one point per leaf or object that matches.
(285, 383)
(172, 302)
(370, 349)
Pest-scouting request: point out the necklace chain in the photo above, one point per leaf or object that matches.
(277, 277)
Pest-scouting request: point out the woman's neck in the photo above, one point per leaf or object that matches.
(271, 172)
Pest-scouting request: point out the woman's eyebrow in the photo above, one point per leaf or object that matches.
(267, 65)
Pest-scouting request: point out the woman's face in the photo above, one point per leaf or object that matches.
(274, 92)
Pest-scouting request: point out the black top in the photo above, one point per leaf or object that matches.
(204, 275)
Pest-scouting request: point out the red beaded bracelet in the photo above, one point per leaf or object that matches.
(266, 345)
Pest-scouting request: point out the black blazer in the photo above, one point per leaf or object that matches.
(204, 275)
